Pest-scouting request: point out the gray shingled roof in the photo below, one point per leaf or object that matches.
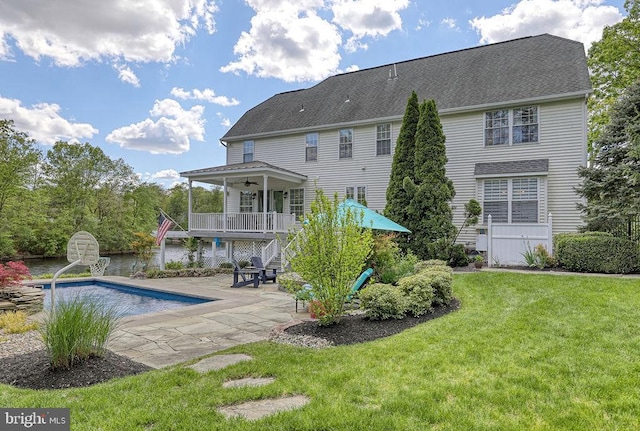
(512, 167)
(242, 168)
(521, 69)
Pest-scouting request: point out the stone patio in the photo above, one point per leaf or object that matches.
(238, 316)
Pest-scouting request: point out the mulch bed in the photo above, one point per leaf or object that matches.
(358, 329)
(32, 371)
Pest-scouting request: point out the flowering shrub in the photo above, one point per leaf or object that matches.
(12, 274)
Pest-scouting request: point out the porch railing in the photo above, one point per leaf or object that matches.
(241, 222)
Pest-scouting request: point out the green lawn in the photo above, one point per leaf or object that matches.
(524, 352)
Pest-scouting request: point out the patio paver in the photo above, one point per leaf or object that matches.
(237, 316)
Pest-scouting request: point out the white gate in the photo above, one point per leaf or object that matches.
(508, 242)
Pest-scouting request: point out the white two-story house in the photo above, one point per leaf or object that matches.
(514, 115)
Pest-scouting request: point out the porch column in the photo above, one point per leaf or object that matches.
(264, 203)
(224, 204)
(199, 255)
(189, 210)
(162, 250)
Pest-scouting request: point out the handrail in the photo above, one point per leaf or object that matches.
(270, 251)
(284, 260)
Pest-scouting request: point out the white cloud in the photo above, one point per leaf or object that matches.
(224, 121)
(43, 122)
(166, 174)
(288, 42)
(422, 23)
(206, 95)
(367, 18)
(71, 32)
(581, 20)
(171, 133)
(127, 75)
(450, 23)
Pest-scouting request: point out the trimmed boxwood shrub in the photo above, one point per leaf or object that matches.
(187, 272)
(383, 301)
(419, 292)
(595, 252)
(424, 264)
(441, 280)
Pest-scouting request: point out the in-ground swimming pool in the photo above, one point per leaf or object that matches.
(128, 300)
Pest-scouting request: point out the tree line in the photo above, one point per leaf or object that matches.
(45, 197)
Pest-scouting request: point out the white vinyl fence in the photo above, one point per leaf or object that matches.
(507, 243)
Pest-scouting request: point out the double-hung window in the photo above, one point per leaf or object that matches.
(346, 143)
(511, 200)
(524, 200)
(357, 193)
(383, 139)
(247, 151)
(311, 147)
(296, 202)
(511, 126)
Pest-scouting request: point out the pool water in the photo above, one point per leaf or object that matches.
(128, 300)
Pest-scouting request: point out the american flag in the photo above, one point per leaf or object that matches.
(164, 224)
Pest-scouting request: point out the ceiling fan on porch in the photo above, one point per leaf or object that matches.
(248, 183)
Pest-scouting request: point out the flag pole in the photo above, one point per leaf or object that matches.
(171, 220)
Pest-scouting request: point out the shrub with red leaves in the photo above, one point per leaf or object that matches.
(12, 274)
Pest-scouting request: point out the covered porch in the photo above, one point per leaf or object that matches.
(256, 200)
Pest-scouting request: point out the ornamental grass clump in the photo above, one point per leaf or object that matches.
(78, 330)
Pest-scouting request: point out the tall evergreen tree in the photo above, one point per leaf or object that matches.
(611, 185)
(403, 162)
(430, 217)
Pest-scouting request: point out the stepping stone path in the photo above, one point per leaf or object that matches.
(251, 410)
(218, 362)
(242, 383)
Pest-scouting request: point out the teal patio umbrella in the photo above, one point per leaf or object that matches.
(371, 218)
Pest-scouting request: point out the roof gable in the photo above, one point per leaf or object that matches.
(522, 69)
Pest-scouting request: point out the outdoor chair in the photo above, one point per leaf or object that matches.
(306, 293)
(360, 281)
(256, 262)
(248, 275)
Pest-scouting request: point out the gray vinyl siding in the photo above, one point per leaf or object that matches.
(562, 140)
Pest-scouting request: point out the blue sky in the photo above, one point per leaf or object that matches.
(158, 82)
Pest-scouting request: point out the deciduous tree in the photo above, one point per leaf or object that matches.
(614, 65)
(329, 253)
